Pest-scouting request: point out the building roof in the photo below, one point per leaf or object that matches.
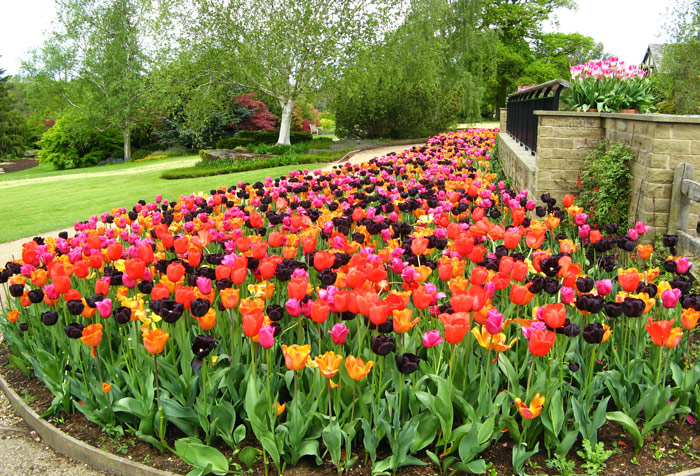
(653, 55)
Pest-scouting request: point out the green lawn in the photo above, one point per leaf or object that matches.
(34, 208)
(47, 170)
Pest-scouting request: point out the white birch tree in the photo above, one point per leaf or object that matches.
(287, 48)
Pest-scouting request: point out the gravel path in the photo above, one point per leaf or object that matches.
(22, 451)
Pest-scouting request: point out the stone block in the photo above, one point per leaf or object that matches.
(662, 131)
(686, 131)
(588, 144)
(555, 143)
(563, 121)
(659, 176)
(658, 161)
(672, 146)
(695, 148)
(554, 164)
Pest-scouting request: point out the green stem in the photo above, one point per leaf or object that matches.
(529, 378)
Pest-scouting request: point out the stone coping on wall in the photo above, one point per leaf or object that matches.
(631, 117)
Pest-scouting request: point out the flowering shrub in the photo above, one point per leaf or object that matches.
(609, 86)
(410, 300)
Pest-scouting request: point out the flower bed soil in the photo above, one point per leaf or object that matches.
(675, 448)
(18, 165)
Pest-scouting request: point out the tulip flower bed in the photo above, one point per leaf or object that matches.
(411, 302)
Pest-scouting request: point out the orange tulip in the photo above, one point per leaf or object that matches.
(252, 322)
(422, 298)
(479, 275)
(568, 200)
(320, 310)
(456, 326)
(689, 318)
(532, 411)
(135, 268)
(296, 287)
(328, 363)
(208, 320)
(175, 272)
(541, 342)
(554, 315)
(295, 356)
(402, 321)
(154, 340)
(629, 279)
(106, 387)
(159, 291)
(92, 336)
(419, 245)
(663, 334)
(645, 251)
(114, 251)
(13, 315)
(379, 312)
(356, 367)
(511, 238)
(520, 295)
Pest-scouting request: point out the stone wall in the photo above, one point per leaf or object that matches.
(659, 142)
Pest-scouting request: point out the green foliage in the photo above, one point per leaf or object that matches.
(399, 89)
(226, 166)
(247, 138)
(594, 457)
(72, 143)
(605, 184)
(13, 130)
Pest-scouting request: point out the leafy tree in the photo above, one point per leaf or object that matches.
(284, 49)
(401, 89)
(679, 72)
(97, 59)
(12, 124)
(554, 53)
(518, 24)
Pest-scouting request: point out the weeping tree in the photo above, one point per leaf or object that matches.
(285, 49)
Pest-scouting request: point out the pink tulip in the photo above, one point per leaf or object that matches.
(293, 307)
(641, 228)
(670, 298)
(432, 338)
(581, 218)
(339, 334)
(266, 337)
(104, 307)
(604, 287)
(494, 321)
(683, 265)
(204, 285)
(567, 295)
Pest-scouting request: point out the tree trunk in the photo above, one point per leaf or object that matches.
(286, 124)
(127, 144)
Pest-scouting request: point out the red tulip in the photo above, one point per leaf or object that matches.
(540, 342)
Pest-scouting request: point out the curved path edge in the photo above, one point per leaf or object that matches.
(74, 448)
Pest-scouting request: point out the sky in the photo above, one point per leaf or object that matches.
(625, 27)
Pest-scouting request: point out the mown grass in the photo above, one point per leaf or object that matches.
(38, 207)
(47, 170)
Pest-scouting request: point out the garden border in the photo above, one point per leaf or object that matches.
(97, 458)
(74, 448)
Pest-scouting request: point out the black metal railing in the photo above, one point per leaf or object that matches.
(521, 120)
